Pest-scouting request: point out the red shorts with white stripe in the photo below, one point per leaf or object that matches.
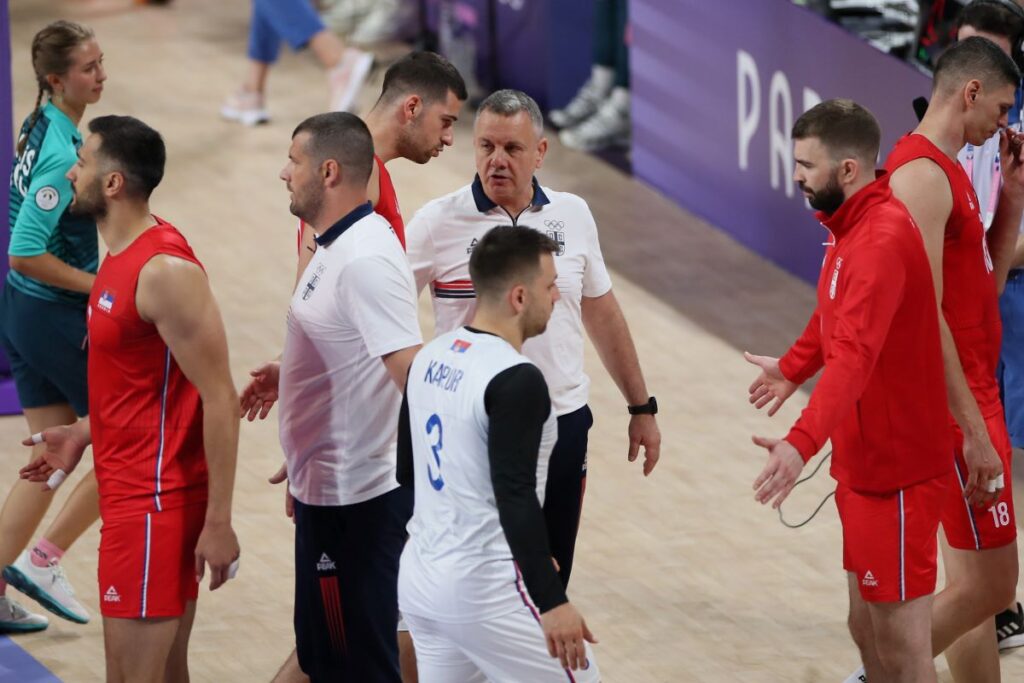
(974, 528)
(889, 540)
(147, 563)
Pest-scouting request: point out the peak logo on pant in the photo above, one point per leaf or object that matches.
(325, 564)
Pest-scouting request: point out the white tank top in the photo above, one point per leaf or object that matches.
(457, 566)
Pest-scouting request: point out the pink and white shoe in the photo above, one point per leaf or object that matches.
(346, 79)
(245, 107)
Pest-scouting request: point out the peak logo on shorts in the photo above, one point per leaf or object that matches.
(869, 580)
(106, 301)
(472, 245)
(111, 595)
(325, 564)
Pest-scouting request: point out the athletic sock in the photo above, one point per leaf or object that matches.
(45, 553)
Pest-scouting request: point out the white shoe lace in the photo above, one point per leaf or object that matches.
(61, 580)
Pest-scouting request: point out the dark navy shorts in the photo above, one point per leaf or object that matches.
(346, 588)
(45, 342)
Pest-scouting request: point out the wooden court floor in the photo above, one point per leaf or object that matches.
(682, 576)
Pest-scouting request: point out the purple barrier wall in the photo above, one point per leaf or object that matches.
(716, 89)
(543, 47)
(8, 398)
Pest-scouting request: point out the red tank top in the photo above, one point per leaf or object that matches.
(969, 300)
(386, 206)
(145, 417)
(387, 203)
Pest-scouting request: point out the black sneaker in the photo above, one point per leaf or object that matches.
(1010, 628)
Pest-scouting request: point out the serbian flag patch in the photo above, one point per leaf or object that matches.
(460, 346)
(106, 301)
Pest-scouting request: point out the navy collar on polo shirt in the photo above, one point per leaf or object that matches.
(351, 218)
(484, 203)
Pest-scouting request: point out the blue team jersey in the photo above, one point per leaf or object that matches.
(39, 196)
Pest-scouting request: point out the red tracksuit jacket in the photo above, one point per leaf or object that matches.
(882, 396)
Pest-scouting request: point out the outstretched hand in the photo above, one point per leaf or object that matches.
(779, 475)
(62, 454)
(770, 384)
(260, 394)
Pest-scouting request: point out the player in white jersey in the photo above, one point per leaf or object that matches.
(477, 584)
(510, 146)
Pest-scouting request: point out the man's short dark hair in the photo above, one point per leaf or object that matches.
(507, 255)
(426, 74)
(992, 17)
(133, 149)
(343, 137)
(975, 58)
(847, 129)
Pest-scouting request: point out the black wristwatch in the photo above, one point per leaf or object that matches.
(649, 408)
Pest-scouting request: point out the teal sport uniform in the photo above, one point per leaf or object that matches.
(42, 327)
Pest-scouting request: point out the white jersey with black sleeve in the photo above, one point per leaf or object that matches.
(475, 435)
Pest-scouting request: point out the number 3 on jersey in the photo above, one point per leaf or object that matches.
(432, 422)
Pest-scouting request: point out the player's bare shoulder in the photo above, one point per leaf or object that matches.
(165, 281)
(921, 178)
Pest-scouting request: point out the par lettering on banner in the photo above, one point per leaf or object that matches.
(780, 118)
(716, 88)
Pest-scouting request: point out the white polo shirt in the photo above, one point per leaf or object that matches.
(441, 236)
(338, 405)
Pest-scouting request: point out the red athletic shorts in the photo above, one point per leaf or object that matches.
(973, 528)
(889, 540)
(147, 563)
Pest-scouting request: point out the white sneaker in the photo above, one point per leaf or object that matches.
(16, 619)
(587, 101)
(608, 127)
(48, 586)
(245, 107)
(348, 77)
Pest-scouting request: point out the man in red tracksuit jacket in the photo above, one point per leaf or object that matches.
(881, 398)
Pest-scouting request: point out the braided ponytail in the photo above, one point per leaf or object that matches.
(36, 113)
(51, 54)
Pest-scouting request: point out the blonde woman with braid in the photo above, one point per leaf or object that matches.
(53, 257)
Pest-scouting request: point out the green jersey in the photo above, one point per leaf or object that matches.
(39, 197)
